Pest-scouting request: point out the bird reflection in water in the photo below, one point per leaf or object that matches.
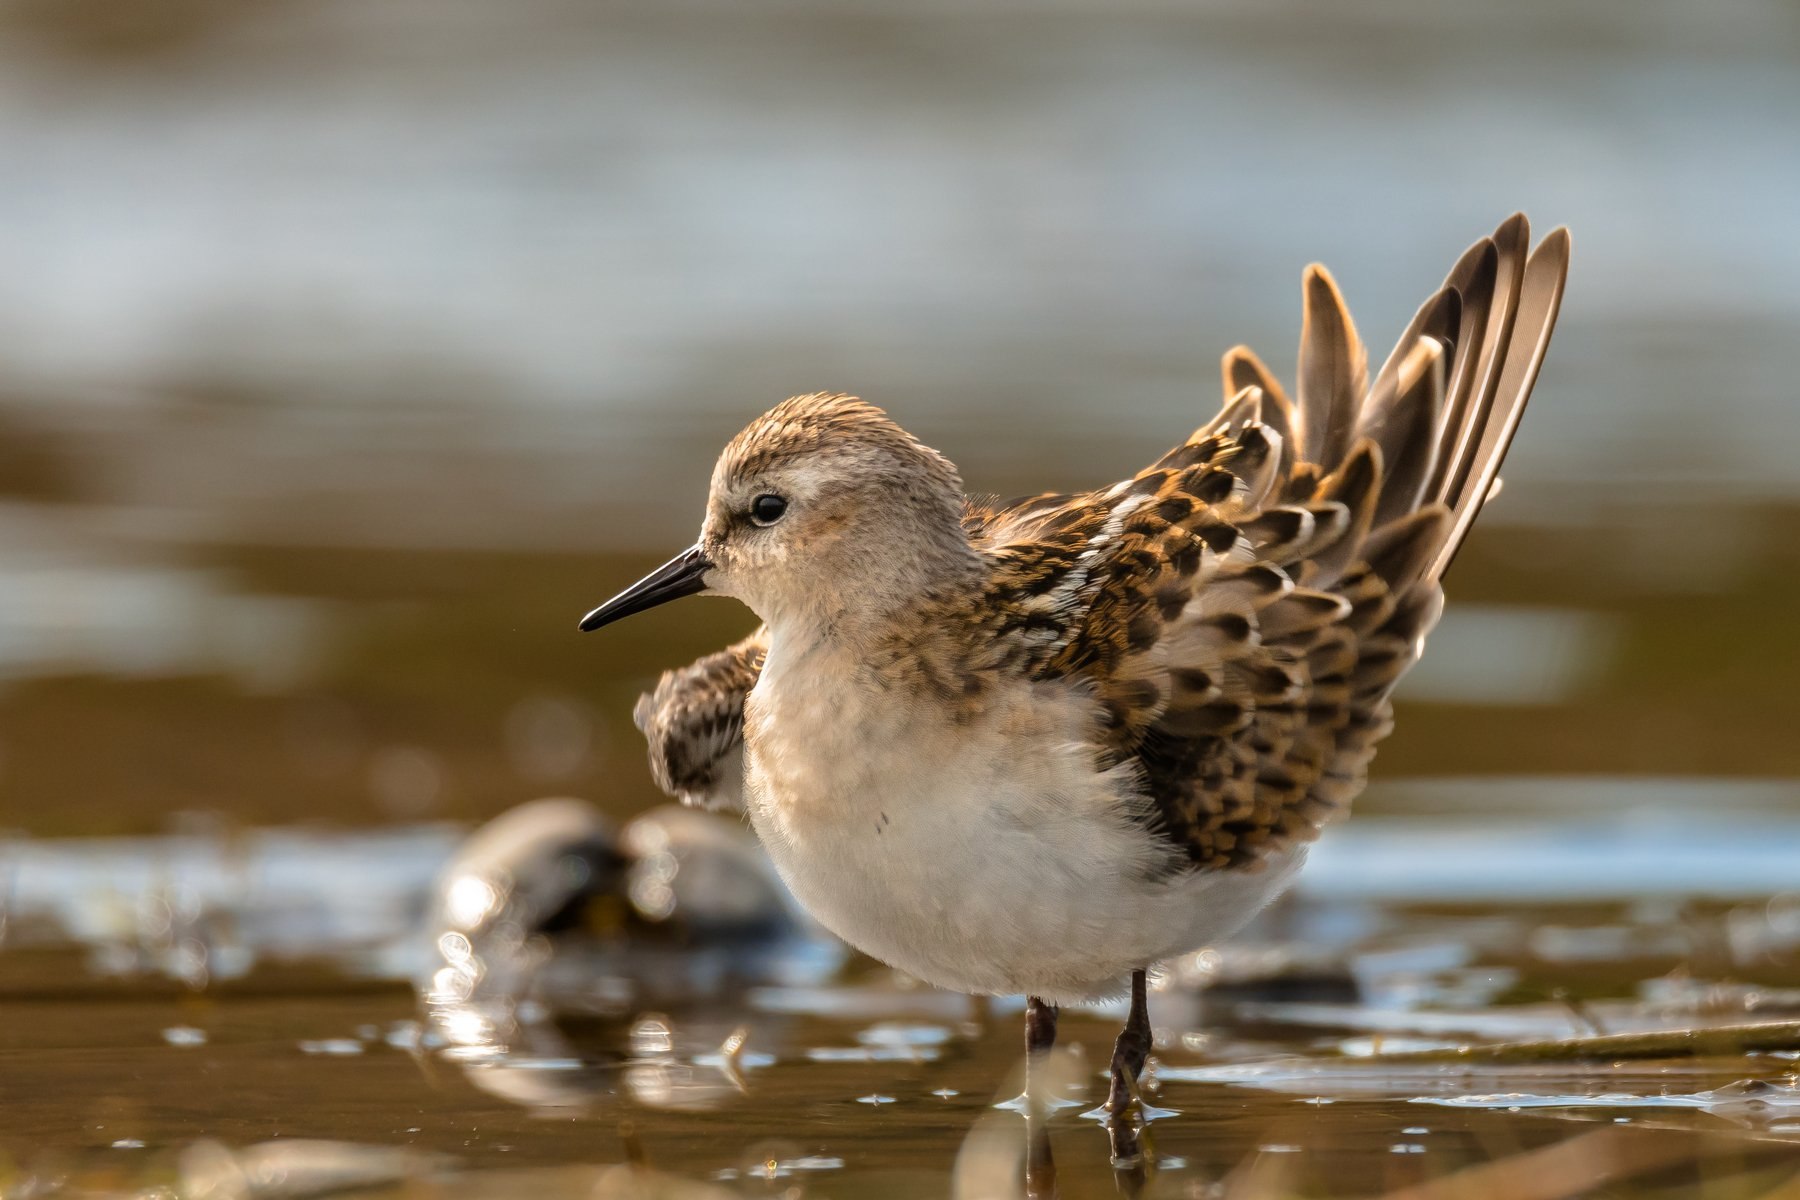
(557, 942)
(571, 962)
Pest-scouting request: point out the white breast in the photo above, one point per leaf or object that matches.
(987, 857)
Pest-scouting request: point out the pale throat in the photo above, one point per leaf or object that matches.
(862, 595)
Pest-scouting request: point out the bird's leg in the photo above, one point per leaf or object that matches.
(1040, 1027)
(1129, 1055)
(1040, 1036)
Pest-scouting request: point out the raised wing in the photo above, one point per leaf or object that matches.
(1243, 608)
(694, 724)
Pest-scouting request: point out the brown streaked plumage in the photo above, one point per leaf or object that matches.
(1135, 704)
(1243, 607)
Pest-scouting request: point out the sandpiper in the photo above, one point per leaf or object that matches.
(1037, 747)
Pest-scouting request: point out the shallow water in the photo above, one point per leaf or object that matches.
(123, 1110)
(167, 1029)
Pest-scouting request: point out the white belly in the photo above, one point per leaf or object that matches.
(986, 858)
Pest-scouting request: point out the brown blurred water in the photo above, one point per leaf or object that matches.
(348, 350)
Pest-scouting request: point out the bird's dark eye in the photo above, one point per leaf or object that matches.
(767, 508)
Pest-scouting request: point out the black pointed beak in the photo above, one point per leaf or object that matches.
(683, 575)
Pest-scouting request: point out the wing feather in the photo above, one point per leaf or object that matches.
(693, 722)
(1333, 368)
(1242, 369)
(1540, 300)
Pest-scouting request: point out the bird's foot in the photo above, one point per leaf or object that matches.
(1125, 1109)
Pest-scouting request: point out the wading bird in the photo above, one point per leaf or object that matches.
(1037, 747)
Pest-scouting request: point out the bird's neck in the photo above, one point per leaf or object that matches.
(860, 607)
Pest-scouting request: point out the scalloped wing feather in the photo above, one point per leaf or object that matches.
(1242, 609)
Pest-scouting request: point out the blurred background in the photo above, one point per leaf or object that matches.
(351, 349)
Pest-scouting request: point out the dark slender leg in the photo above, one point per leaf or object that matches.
(1040, 1036)
(1129, 1055)
(1040, 1027)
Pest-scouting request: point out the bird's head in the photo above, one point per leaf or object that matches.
(821, 507)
